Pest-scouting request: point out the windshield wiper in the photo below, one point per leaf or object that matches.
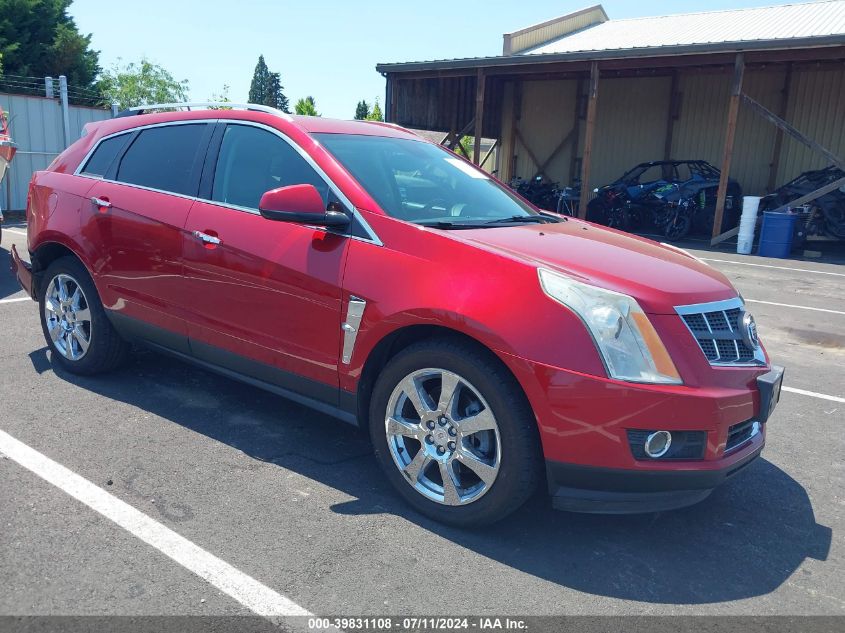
(443, 224)
(517, 219)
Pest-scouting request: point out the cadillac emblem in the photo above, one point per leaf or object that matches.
(748, 330)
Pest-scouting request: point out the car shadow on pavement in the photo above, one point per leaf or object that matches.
(8, 283)
(745, 540)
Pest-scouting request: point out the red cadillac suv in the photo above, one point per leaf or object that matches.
(354, 267)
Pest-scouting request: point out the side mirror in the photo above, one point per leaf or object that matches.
(301, 204)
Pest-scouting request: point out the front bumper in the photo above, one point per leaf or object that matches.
(585, 420)
(22, 272)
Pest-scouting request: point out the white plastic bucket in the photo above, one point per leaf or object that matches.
(747, 223)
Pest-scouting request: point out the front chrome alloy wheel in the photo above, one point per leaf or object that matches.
(68, 317)
(443, 436)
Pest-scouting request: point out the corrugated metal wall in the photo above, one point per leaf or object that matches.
(631, 123)
(35, 124)
(817, 108)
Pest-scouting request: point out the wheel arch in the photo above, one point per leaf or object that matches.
(45, 254)
(401, 338)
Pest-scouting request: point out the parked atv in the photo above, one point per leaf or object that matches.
(671, 197)
(825, 214)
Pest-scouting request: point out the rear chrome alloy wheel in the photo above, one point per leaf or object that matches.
(68, 317)
(443, 437)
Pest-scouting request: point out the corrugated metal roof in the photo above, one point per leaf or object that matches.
(803, 25)
(791, 21)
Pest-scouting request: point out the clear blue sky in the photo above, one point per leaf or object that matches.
(327, 48)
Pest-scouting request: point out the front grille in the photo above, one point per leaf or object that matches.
(718, 332)
(740, 433)
(685, 445)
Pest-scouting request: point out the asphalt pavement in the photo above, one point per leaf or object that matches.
(294, 499)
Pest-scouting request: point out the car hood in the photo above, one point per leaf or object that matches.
(658, 277)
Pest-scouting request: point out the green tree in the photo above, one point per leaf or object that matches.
(38, 38)
(376, 114)
(362, 110)
(266, 87)
(276, 97)
(141, 84)
(306, 106)
(221, 97)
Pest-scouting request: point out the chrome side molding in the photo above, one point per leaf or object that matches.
(354, 314)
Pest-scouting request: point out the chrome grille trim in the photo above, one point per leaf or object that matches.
(716, 341)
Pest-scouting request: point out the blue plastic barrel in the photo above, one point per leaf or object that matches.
(776, 234)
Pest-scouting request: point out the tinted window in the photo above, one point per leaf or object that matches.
(163, 158)
(253, 161)
(104, 155)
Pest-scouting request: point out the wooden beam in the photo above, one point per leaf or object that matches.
(783, 108)
(674, 107)
(479, 115)
(730, 135)
(818, 193)
(576, 129)
(528, 151)
(770, 116)
(488, 153)
(589, 133)
(724, 236)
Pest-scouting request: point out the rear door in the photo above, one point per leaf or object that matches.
(264, 296)
(136, 218)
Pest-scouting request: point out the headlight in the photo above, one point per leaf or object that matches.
(627, 341)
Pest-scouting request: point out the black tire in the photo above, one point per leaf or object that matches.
(520, 467)
(106, 349)
(678, 226)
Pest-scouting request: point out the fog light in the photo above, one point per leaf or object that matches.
(658, 443)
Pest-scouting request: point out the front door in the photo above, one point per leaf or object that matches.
(264, 296)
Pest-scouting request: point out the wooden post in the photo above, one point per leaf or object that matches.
(776, 150)
(589, 133)
(674, 105)
(576, 130)
(479, 115)
(730, 134)
(516, 115)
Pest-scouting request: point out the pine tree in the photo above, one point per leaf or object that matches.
(362, 110)
(259, 88)
(275, 97)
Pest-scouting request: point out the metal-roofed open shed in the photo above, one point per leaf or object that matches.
(759, 93)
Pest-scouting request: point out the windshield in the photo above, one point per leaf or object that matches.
(425, 184)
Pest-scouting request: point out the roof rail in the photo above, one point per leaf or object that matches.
(257, 107)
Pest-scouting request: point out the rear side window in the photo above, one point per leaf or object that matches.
(104, 155)
(253, 161)
(163, 158)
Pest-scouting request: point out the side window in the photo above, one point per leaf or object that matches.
(104, 155)
(253, 161)
(163, 158)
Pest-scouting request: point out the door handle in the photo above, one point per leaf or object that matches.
(100, 203)
(206, 238)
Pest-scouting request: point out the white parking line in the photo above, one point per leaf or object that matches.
(249, 592)
(15, 300)
(800, 270)
(15, 231)
(813, 394)
(790, 305)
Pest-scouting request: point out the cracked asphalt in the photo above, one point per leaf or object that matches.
(294, 498)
